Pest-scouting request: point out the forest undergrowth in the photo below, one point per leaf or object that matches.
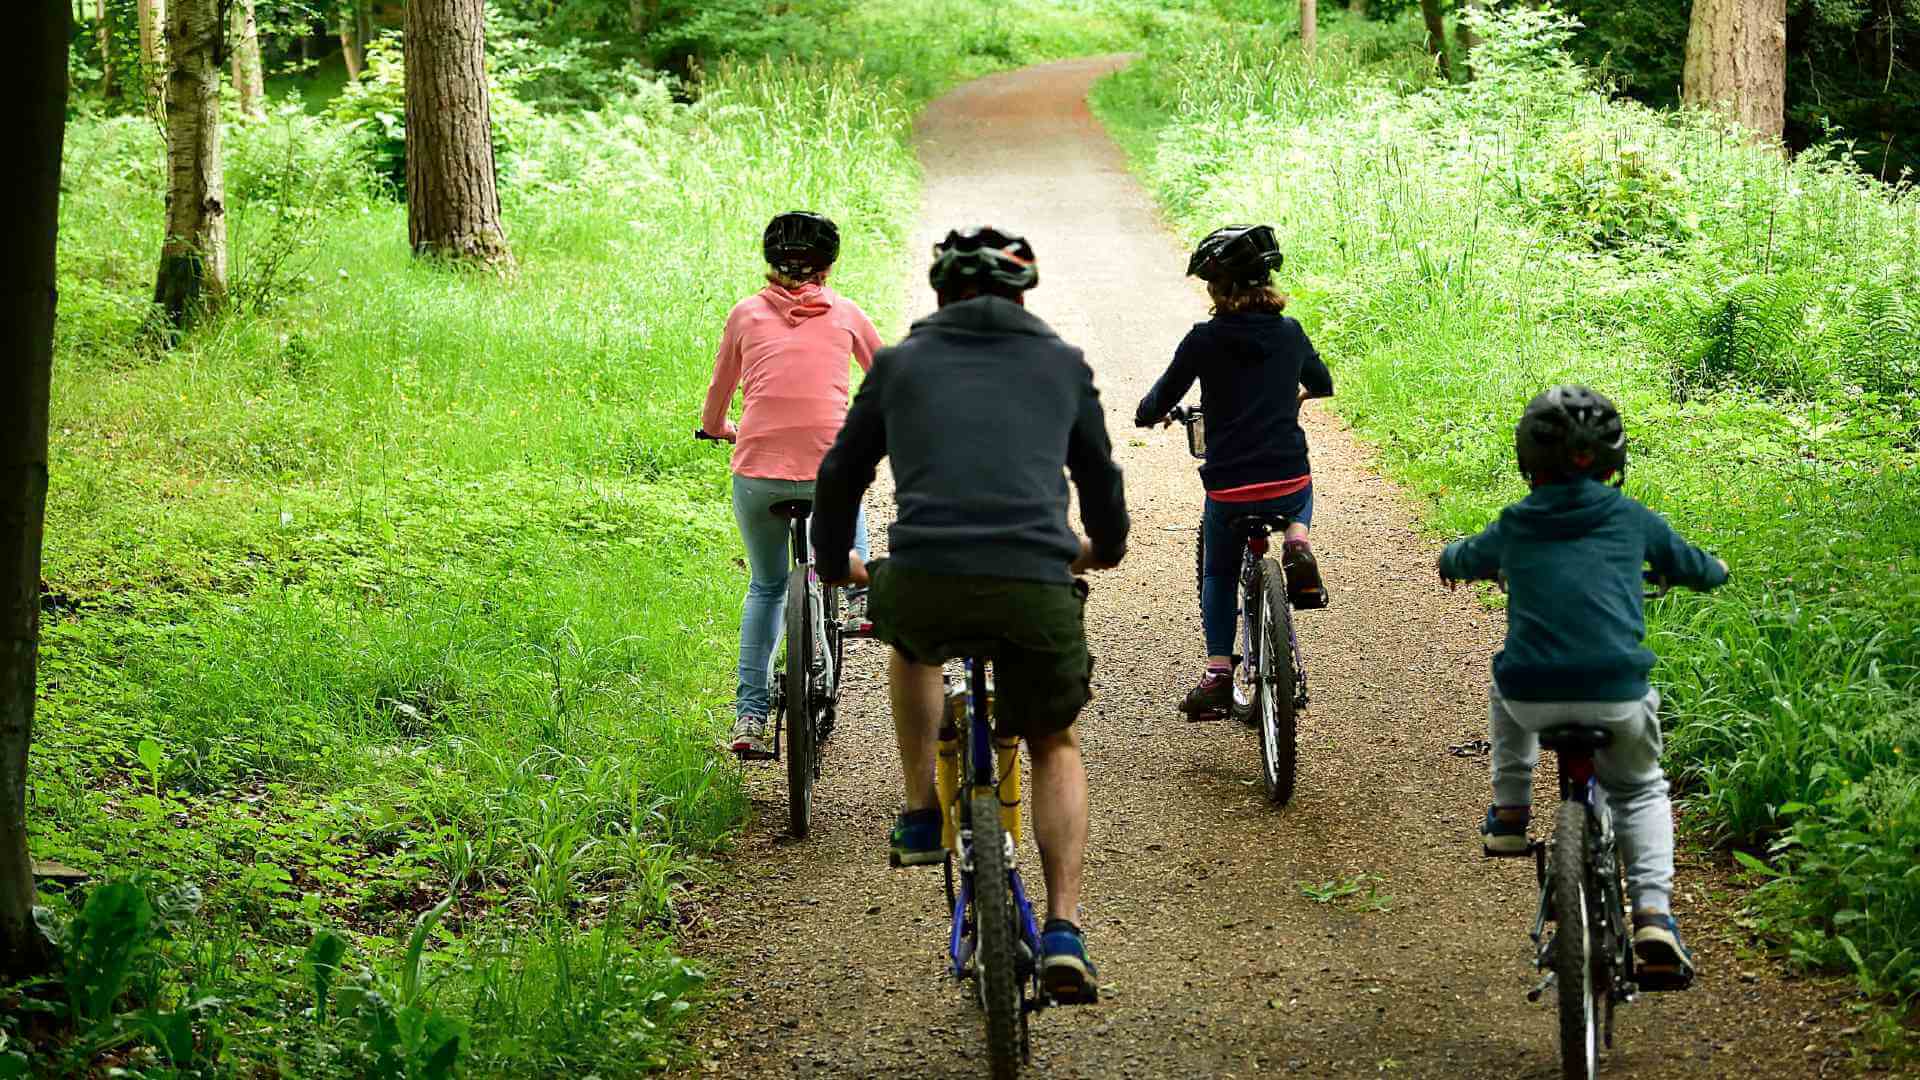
(389, 618)
(1455, 249)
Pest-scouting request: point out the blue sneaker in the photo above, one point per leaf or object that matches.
(1069, 977)
(1503, 840)
(916, 839)
(1663, 962)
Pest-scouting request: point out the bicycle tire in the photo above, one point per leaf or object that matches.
(993, 926)
(1273, 700)
(799, 719)
(1577, 963)
(832, 599)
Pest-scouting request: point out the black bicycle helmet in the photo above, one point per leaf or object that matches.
(1569, 431)
(1236, 254)
(798, 243)
(984, 259)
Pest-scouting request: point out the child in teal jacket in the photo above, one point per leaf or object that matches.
(1571, 554)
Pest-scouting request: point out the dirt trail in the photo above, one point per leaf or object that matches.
(1217, 963)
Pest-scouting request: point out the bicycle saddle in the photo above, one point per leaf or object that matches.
(1573, 737)
(1258, 524)
(791, 508)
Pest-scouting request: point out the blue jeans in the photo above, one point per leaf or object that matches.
(768, 557)
(1220, 560)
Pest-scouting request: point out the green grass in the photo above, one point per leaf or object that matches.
(1453, 251)
(400, 586)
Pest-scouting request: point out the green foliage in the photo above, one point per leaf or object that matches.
(1611, 196)
(1454, 249)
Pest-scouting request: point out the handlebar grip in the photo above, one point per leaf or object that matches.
(701, 433)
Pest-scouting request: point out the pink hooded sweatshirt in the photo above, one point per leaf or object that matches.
(787, 350)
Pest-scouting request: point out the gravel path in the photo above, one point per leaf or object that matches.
(1216, 961)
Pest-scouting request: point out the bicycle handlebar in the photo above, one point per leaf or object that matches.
(701, 433)
(1660, 585)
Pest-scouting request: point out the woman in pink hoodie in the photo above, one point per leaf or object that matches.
(786, 348)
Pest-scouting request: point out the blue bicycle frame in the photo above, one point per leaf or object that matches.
(978, 770)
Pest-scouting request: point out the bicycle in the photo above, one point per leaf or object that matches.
(806, 689)
(993, 939)
(1268, 691)
(1588, 957)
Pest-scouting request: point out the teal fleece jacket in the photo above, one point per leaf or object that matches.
(1572, 555)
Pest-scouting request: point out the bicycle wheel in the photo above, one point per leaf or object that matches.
(1273, 691)
(993, 927)
(800, 747)
(1577, 966)
(835, 647)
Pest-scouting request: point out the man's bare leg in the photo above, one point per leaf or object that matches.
(1060, 818)
(918, 697)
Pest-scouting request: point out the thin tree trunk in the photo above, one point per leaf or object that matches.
(193, 260)
(363, 28)
(153, 53)
(1437, 36)
(34, 78)
(641, 15)
(1737, 62)
(1465, 39)
(1309, 25)
(243, 42)
(1358, 8)
(109, 76)
(453, 202)
(353, 44)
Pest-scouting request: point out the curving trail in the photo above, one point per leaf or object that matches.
(1218, 964)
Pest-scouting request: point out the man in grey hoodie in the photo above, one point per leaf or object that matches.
(984, 412)
(1571, 554)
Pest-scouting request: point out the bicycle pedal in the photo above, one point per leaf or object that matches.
(1660, 981)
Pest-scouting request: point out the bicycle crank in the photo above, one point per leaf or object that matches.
(1540, 991)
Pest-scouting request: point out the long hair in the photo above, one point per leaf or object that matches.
(1246, 298)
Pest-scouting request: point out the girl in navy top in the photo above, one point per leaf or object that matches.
(1255, 366)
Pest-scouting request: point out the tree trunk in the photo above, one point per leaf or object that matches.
(641, 15)
(109, 80)
(1309, 25)
(453, 202)
(1358, 8)
(153, 53)
(243, 42)
(193, 260)
(1465, 39)
(35, 80)
(1437, 36)
(1737, 62)
(353, 41)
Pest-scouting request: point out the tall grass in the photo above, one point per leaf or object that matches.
(1457, 249)
(398, 585)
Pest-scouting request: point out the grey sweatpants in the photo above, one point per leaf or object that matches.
(1628, 770)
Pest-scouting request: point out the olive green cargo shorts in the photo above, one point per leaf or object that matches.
(1041, 667)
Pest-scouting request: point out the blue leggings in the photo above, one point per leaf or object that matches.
(764, 614)
(1220, 560)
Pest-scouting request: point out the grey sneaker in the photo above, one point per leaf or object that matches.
(750, 739)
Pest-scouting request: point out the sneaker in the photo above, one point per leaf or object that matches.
(1500, 839)
(1305, 590)
(749, 740)
(1069, 977)
(916, 840)
(1212, 699)
(1663, 962)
